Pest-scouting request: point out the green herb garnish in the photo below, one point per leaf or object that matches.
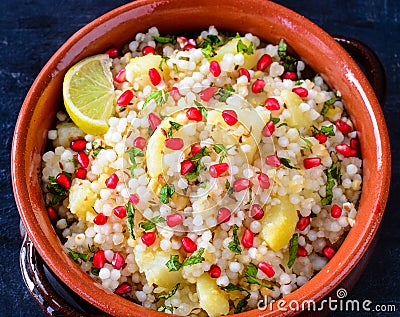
(221, 149)
(286, 162)
(308, 143)
(164, 308)
(174, 126)
(293, 247)
(130, 219)
(250, 197)
(243, 48)
(133, 153)
(287, 61)
(173, 263)
(328, 104)
(196, 160)
(171, 293)
(251, 276)
(95, 271)
(274, 120)
(223, 93)
(234, 245)
(159, 96)
(209, 44)
(76, 255)
(57, 190)
(332, 173)
(166, 193)
(202, 109)
(152, 223)
(242, 304)
(165, 39)
(163, 59)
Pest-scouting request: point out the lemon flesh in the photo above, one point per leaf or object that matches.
(88, 93)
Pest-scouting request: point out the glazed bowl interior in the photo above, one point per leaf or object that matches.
(269, 21)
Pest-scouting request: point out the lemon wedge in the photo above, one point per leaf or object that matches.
(88, 92)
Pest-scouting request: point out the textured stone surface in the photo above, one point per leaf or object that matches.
(32, 30)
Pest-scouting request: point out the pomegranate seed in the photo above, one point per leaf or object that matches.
(192, 42)
(290, 75)
(112, 52)
(300, 91)
(174, 220)
(188, 47)
(124, 288)
(329, 252)
(241, 184)
(268, 129)
(256, 212)
(263, 180)
(215, 271)
(81, 173)
(218, 169)
(188, 245)
(343, 126)
(301, 251)
(175, 94)
(148, 50)
(139, 142)
(154, 120)
(100, 219)
(194, 114)
(303, 223)
(215, 69)
(118, 260)
(83, 159)
(63, 180)
(230, 117)
(99, 259)
(148, 238)
(187, 166)
(134, 199)
(155, 77)
(311, 162)
(264, 62)
(224, 214)
(112, 181)
(125, 98)
(355, 144)
(345, 150)
(52, 213)
(120, 211)
(174, 143)
(244, 72)
(273, 160)
(247, 239)
(78, 145)
(196, 148)
(266, 269)
(272, 104)
(208, 93)
(120, 77)
(258, 86)
(336, 211)
(182, 41)
(322, 138)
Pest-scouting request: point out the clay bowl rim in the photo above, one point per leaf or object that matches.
(320, 285)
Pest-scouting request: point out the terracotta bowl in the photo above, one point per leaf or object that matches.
(263, 18)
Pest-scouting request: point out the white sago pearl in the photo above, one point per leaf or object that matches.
(238, 59)
(62, 224)
(113, 122)
(80, 239)
(109, 255)
(110, 155)
(284, 279)
(255, 226)
(234, 267)
(223, 281)
(253, 253)
(99, 238)
(107, 210)
(89, 232)
(248, 173)
(351, 169)
(304, 107)
(105, 193)
(165, 244)
(104, 273)
(52, 134)
(118, 238)
(283, 141)
(106, 283)
(141, 296)
(286, 289)
(115, 274)
(198, 220)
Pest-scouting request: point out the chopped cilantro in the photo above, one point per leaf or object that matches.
(251, 276)
(130, 220)
(209, 44)
(220, 149)
(152, 223)
(96, 151)
(95, 271)
(328, 104)
(234, 245)
(286, 162)
(163, 59)
(196, 159)
(159, 96)
(233, 287)
(166, 193)
(242, 304)
(203, 152)
(281, 124)
(243, 48)
(171, 293)
(165, 39)
(222, 94)
(173, 263)
(293, 247)
(227, 185)
(202, 109)
(274, 120)
(332, 173)
(250, 197)
(133, 153)
(57, 190)
(174, 126)
(287, 61)
(76, 255)
(308, 143)
(204, 185)
(164, 308)
(327, 130)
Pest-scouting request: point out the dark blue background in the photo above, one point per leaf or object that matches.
(32, 30)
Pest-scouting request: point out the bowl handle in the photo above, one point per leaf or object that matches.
(369, 63)
(41, 283)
